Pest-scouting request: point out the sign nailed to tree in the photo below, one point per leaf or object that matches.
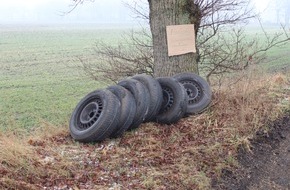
(180, 39)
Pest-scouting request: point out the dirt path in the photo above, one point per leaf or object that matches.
(268, 166)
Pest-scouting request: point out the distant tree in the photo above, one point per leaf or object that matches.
(287, 12)
(282, 9)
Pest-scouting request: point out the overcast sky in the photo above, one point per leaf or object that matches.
(29, 11)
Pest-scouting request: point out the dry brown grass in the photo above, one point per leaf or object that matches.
(29, 160)
(17, 160)
(182, 156)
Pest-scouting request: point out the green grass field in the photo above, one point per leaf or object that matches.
(39, 78)
(277, 58)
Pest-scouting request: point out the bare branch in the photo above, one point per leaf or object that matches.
(76, 3)
(139, 9)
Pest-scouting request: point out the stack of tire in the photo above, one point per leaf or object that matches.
(108, 113)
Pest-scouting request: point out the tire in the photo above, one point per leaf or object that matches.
(142, 99)
(198, 91)
(155, 92)
(95, 117)
(128, 109)
(174, 102)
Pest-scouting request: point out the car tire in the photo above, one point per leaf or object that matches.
(198, 91)
(155, 92)
(142, 99)
(128, 109)
(95, 117)
(174, 102)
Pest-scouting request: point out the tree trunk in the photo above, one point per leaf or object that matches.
(162, 14)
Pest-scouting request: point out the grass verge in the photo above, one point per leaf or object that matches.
(187, 155)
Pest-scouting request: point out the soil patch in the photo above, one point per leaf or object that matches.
(267, 166)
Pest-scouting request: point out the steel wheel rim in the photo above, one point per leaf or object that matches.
(89, 114)
(193, 90)
(168, 99)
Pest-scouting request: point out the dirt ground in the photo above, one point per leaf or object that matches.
(267, 166)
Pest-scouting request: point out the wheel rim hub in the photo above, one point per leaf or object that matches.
(90, 114)
(193, 90)
(168, 99)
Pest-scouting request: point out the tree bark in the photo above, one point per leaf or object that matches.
(162, 14)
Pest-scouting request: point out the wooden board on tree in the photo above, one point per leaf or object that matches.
(180, 39)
